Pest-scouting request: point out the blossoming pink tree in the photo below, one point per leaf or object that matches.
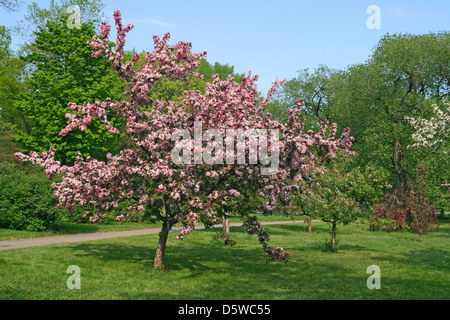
(162, 173)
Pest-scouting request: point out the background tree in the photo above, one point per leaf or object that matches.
(11, 73)
(404, 76)
(331, 200)
(422, 214)
(37, 16)
(10, 5)
(434, 133)
(63, 71)
(338, 193)
(313, 87)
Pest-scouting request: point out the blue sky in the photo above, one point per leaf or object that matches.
(273, 39)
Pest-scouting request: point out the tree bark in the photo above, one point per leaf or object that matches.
(168, 221)
(226, 226)
(397, 160)
(309, 225)
(163, 235)
(333, 237)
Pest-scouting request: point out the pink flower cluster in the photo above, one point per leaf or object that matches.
(254, 227)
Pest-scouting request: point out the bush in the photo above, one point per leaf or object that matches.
(26, 199)
(407, 209)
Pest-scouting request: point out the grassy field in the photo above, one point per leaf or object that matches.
(65, 228)
(199, 268)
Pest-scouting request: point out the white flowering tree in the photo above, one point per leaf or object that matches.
(433, 132)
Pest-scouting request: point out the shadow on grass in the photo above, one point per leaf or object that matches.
(72, 228)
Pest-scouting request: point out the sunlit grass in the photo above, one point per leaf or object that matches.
(61, 228)
(199, 268)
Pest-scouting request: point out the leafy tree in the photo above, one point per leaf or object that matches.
(423, 215)
(337, 192)
(403, 77)
(149, 174)
(10, 78)
(434, 134)
(313, 87)
(332, 201)
(11, 68)
(37, 17)
(63, 71)
(10, 5)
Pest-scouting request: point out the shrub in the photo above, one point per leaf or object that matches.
(26, 199)
(407, 209)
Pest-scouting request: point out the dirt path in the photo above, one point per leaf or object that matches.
(33, 242)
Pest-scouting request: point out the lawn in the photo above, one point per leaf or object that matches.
(199, 268)
(66, 228)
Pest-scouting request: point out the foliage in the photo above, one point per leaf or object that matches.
(10, 5)
(37, 17)
(313, 87)
(339, 192)
(26, 199)
(64, 71)
(147, 173)
(423, 215)
(333, 195)
(404, 76)
(10, 78)
(433, 132)
(7, 145)
(407, 210)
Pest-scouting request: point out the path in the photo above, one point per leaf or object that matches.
(33, 242)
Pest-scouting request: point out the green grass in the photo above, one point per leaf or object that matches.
(66, 228)
(62, 228)
(199, 268)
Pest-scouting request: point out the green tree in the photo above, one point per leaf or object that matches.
(36, 16)
(313, 87)
(332, 199)
(10, 5)
(63, 71)
(11, 67)
(403, 77)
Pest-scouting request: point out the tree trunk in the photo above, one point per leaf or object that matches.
(226, 226)
(163, 235)
(397, 160)
(333, 237)
(309, 225)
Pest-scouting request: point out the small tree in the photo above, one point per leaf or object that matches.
(422, 214)
(331, 198)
